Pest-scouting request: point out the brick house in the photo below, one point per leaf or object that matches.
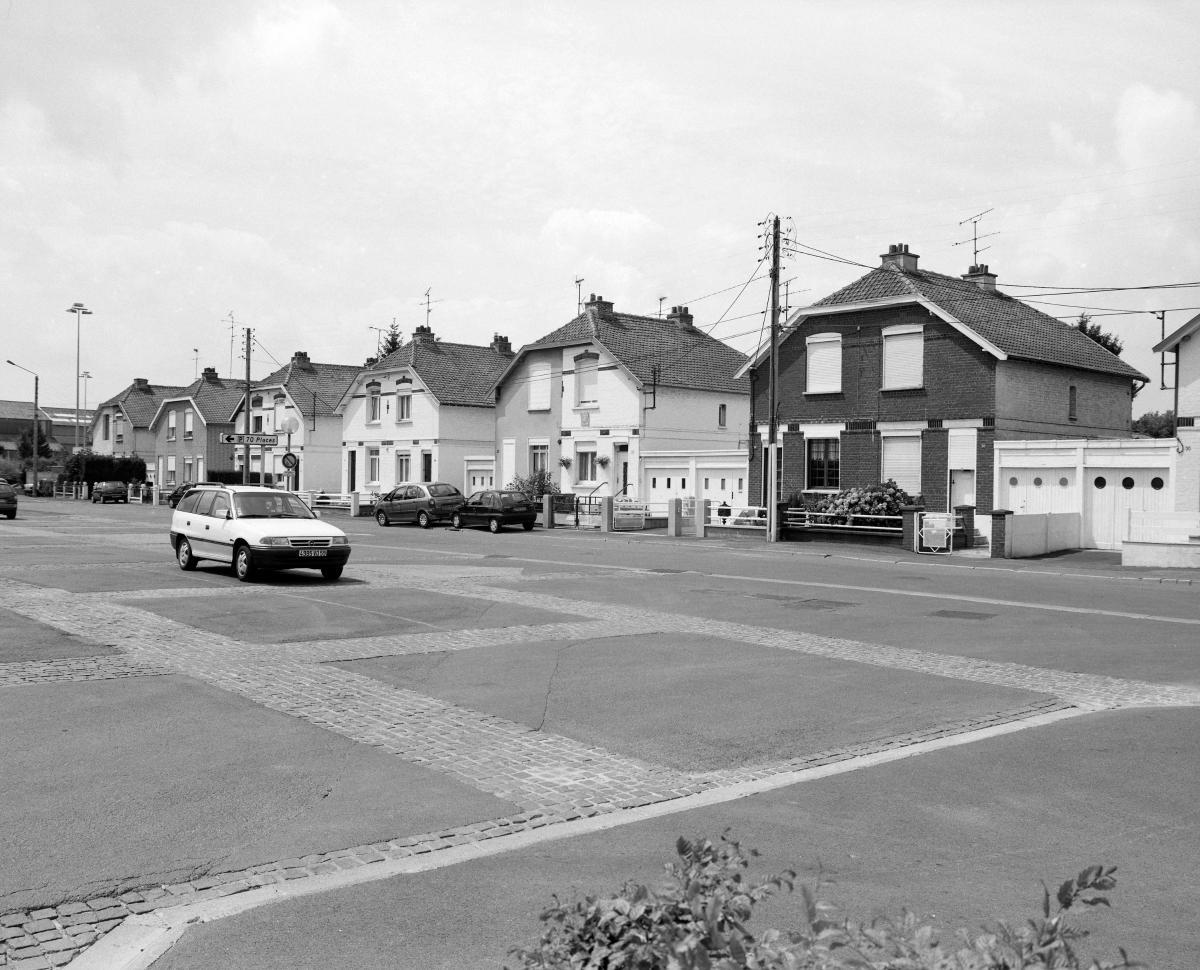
(913, 375)
(1185, 345)
(187, 430)
(121, 425)
(639, 406)
(423, 413)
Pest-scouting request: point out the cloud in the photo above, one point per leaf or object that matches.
(1069, 148)
(1155, 125)
(587, 228)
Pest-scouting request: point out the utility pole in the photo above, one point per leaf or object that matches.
(773, 393)
(246, 416)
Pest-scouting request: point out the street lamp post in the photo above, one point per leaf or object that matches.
(35, 421)
(86, 376)
(80, 311)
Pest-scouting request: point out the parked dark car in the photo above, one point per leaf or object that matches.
(110, 492)
(421, 502)
(182, 490)
(496, 510)
(8, 500)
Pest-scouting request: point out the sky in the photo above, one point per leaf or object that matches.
(311, 169)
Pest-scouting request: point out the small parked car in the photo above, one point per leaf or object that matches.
(8, 500)
(181, 490)
(496, 509)
(110, 492)
(421, 502)
(255, 528)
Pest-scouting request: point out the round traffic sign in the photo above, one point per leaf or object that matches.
(290, 460)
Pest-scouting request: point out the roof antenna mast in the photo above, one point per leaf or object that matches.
(429, 306)
(578, 295)
(975, 237)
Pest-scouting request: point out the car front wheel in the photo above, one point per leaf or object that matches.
(456, 520)
(493, 526)
(382, 519)
(527, 526)
(423, 519)
(184, 553)
(331, 572)
(243, 564)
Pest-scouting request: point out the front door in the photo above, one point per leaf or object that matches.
(962, 487)
(427, 466)
(351, 471)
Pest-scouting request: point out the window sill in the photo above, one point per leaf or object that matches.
(593, 406)
(893, 390)
(545, 410)
(830, 393)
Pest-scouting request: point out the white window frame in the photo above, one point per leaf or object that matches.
(902, 368)
(374, 406)
(823, 363)
(372, 466)
(187, 425)
(403, 407)
(587, 364)
(539, 385)
(170, 473)
(403, 466)
(170, 425)
(585, 465)
(542, 450)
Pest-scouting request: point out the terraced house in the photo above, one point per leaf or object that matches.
(423, 413)
(188, 427)
(913, 375)
(121, 425)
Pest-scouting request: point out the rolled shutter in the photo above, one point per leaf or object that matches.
(824, 364)
(903, 359)
(902, 462)
(539, 386)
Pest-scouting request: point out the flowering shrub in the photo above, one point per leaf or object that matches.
(886, 498)
(697, 921)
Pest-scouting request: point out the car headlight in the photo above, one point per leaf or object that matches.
(340, 541)
(274, 541)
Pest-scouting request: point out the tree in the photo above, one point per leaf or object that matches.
(1156, 424)
(25, 446)
(392, 341)
(1108, 341)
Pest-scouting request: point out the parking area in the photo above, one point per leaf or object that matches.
(184, 739)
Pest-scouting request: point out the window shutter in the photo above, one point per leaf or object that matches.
(903, 359)
(962, 448)
(902, 462)
(824, 364)
(539, 386)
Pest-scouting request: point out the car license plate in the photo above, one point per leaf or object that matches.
(312, 552)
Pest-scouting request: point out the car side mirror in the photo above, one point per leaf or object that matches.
(316, 513)
(228, 514)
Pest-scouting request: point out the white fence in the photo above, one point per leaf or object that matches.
(1036, 535)
(1163, 526)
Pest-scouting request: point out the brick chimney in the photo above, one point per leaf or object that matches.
(603, 307)
(681, 317)
(141, 385)
(209, 376)
(423, 335)
(300, 359)
(980, 276)
(898, 257)
(501, 345)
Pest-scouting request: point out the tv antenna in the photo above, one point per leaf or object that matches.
(379, 332)
(660, 303)
(975, 237)
(428, 304)
(578, 295)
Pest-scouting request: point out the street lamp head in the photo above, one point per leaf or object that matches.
(78, 308)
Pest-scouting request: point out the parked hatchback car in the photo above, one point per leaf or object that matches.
(255, 528)
(421, 502)
(496, 509)
(8, 500)
(110, 492)
(181, 490)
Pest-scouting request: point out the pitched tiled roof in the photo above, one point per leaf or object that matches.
(314, 387)
(140, 401)
(215, 398)
(21, 411)
(456, 374)
(1008, 324)
(684, 356)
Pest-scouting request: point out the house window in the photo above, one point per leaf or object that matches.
(539, 459)
(1073, 403)
(824, 370)
(170, 470)
(105, 427)
(373, 400)
(903, 357)
(403, 407)
(539, 385)
(403, 468)
(586, 380)
(585, 464)
(257, 424)
(902, 462)
(187, 427)
(119, 428)
(720, 415)
(170, 425)
(373, 466)
(188, 465)
(824, 463)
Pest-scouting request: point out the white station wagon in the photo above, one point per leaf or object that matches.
(254, 528)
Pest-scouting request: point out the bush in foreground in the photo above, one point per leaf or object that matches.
(697, 921)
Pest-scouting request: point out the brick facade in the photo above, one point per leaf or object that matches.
(935, 462)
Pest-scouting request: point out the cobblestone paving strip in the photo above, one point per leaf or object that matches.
(75, 669)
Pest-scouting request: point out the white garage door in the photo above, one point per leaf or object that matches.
(663, 483)
(1036, 491)
(1110, 494)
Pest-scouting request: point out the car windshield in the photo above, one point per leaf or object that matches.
(270, 505)
(441, 491)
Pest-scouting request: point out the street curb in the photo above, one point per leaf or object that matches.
(140, 940)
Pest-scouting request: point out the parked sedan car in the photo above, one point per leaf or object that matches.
(421, 502)
(8, 500)
(495, 510)
(110, 492)
(181, 490)
(255, 528)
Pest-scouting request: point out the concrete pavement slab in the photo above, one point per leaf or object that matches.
(964, 835)
(142, 781)
(24, 639)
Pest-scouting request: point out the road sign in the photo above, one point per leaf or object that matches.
(290, 460)
(250, 439)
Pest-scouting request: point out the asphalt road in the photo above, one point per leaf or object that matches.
(175, 736)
